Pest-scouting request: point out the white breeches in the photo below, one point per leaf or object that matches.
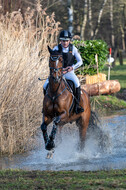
(70, 76)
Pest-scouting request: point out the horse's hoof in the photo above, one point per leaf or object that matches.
(50, 145)
(56, 120)
(50, 154)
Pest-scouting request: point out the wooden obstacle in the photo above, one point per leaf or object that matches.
(105, 87)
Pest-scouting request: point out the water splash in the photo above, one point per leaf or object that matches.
(105, 148)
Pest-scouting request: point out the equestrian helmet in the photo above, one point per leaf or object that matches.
(65, 35)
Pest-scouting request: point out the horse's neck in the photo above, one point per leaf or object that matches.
(55, 87)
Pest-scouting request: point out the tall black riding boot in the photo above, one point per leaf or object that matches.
(44, 91)
(78, 108)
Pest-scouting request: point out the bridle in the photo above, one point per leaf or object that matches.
(57, 78)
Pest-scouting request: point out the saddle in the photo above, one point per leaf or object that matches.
(71, 86)
(72, 89)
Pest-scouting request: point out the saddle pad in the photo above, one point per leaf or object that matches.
(72, 86)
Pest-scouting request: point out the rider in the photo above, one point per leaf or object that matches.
(70, 53)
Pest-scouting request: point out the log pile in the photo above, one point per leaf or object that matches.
(105, 87)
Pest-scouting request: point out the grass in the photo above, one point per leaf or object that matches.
(104, 105)
(23, 180)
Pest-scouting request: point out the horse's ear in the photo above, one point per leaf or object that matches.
(50, 50)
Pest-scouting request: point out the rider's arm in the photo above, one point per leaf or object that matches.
(55, 48)
(78, 58)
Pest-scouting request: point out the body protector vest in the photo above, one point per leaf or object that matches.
(68, 58)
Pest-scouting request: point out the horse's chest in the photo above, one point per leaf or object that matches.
(51, 107)
(56, 106)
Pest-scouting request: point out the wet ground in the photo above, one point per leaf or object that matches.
(105, 149)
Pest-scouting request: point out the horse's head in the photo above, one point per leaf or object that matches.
(55, 65)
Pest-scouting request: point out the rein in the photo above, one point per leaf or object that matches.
(55, 97)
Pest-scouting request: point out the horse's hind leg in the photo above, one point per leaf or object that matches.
(83, 125)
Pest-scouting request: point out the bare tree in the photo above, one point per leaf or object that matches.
(10, 5)
(112, 25)
(99, 18)
(123, 20)
(70, 15)
(90, 18)
(84, 19)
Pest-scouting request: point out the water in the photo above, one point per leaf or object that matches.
(105, 149)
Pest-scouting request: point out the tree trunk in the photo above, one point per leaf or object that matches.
(120, 57)
(125, 24)
(84, 20)
(115, 56)
(90, 19)
(99, 18)
(70, 15)
(112, 25)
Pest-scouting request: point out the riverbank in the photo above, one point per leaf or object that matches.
(20, 179)
(108, 104)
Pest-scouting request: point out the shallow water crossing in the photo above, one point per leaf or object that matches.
(105, 148)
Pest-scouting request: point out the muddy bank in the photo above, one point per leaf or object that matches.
(122, 95)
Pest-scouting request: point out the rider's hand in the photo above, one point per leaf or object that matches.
(70, 68)
(67, 69)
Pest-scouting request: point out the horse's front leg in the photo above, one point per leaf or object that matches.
(61, 118)
(44, 129)
(50, 144)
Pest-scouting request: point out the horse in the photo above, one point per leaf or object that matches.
(59, 101)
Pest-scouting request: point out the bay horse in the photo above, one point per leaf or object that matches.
(58, 101)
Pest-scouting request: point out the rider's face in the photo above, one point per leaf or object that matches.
(65, 43)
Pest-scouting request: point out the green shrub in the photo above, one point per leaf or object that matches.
(88, 49)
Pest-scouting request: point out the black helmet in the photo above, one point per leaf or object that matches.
(65, 35)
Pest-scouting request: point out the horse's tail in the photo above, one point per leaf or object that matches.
(95, 129)
(94, 120)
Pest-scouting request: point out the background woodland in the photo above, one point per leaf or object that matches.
(89, 19)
